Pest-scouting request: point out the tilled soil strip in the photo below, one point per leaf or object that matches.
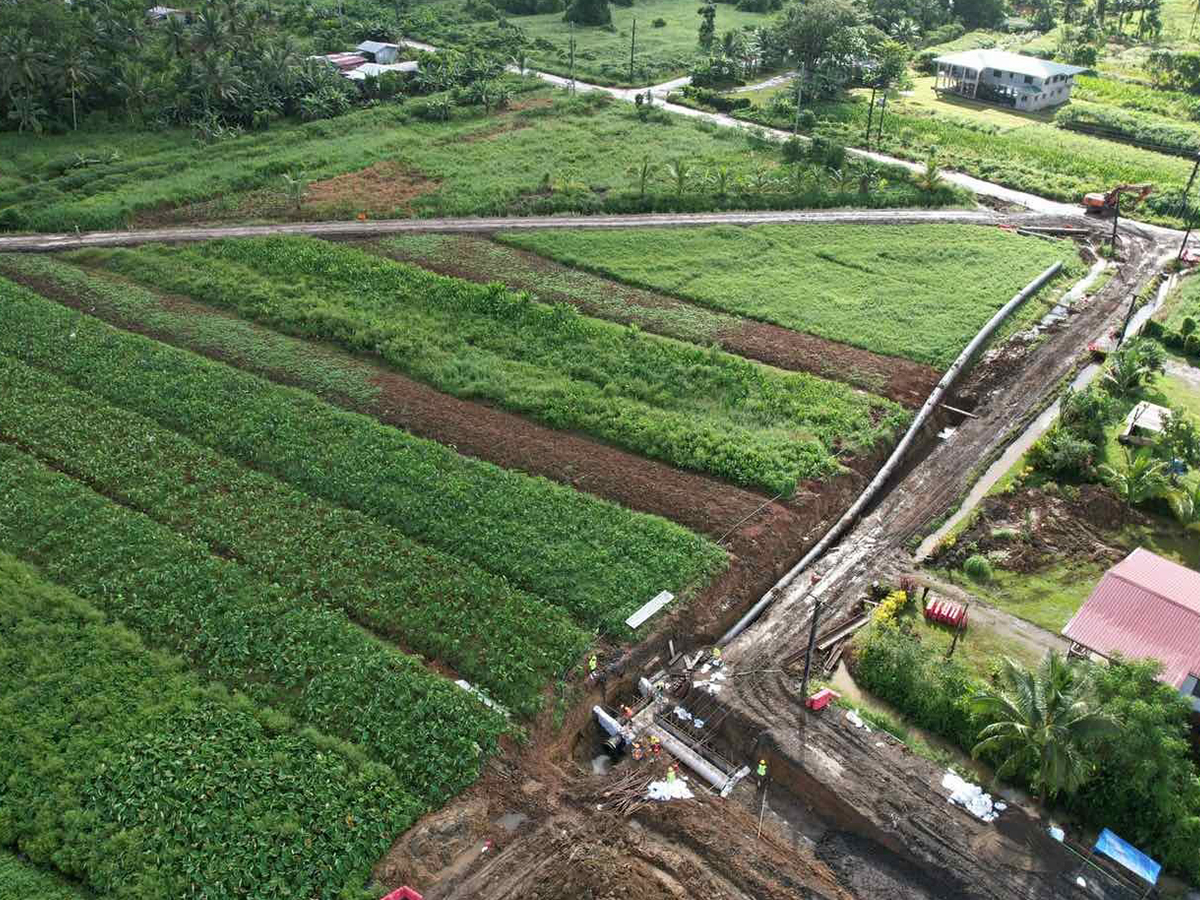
(770, 533)
(902, 380)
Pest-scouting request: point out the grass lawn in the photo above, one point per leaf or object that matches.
(602, 56)
(1048, 598)
(549, 154)
(916, 291)
(923, 99)
(1183, 302)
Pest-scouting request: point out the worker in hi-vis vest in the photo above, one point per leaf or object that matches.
(762, 772)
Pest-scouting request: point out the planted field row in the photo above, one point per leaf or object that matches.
(122, 771)
(19, 879)
(916, 291)
(1160, 133)
(433, 603)
(594, 558)
(698, 409)
(309, 662)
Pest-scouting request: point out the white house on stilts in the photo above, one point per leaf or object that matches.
(1024, 83)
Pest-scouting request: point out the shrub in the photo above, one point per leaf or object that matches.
(1086, 413)
(588, 12)
(891, 607)
(978, 568)
(794, 150)
(1059, 452)
(715, 100)
(1133, 127)
(1187, 326)
(808, 119)
(659, 23)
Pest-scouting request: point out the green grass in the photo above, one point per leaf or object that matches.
(1177, 105)
(1048, 598)
(571, 155)
(595, 558)
(1038, 158)
(1184, 301)
(121, 770)
(699, 409)
(436, 604)
(917, 291)
(602, 56)
(20, 880)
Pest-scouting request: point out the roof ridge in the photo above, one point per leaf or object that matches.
(1195, 610)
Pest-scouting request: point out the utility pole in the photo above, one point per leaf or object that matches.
(799, 96)
(882, 109)
(633, 41)
(1187, 190)
(870, 116)
(1191, 220)
(1116, 217)
(812, 639)
(571, 49)
(958, 631)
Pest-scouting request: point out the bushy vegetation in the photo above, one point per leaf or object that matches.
(121, 770)
(1176, 105)
(699, 409)
(880, 287)
(1140, 781)
(433, 603)
(593, 558)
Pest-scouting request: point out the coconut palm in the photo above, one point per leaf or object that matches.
(1142, 478)
(1043, 721)
(643, 172)
(75, 71)
(679, 171)
(719, 177)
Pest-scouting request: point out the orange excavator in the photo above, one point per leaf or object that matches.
(1104, 204)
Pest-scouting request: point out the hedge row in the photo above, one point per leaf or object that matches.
(1145, 130)
(235, 628)
(594, 559)
(120, 770)
(509, 642)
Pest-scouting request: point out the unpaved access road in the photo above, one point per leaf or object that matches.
(45, 243)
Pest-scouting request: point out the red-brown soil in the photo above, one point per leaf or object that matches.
(384, 188)
(902, 380)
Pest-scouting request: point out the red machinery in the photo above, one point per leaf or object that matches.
(821, 699)
(404, 893)
(947, 612)
(1104, 203)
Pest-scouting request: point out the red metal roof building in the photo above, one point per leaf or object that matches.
(1146, 606)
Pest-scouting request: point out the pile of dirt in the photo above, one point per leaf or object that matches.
(1031, 529)
(385, 188)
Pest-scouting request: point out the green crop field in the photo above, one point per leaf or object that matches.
(1184, 302)
(592, 558)
(20, 880)
(917, 291)
(553, 154)
(123, 771)
(700, 409)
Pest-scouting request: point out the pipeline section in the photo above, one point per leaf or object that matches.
(935, 397)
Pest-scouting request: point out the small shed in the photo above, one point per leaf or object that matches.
(1143, 424)
(1145, 606)
(379, 51)
(343, 62)
(163, 13)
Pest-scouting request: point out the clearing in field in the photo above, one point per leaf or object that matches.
(698, 409)
(914, 291)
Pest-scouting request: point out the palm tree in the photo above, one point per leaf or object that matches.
(643, 172)
(1043, 721)
(75, 71)
(1185, 503)
(679, 171)
(719, 177)
(930, 179)
(1142, 478)
(295, 188)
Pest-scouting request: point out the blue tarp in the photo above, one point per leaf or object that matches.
(1127, 855)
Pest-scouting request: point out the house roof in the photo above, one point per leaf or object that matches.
(344, 61)
(376, 46)
(1144, 606)
(376, 69)
(1008, 62)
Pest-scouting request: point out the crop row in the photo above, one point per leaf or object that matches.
(1145, 129)
(242, 630)
(917, 291)
(121, 770)
(592, 558)
(434, 604)
(699, 409)
(19, 879)
(1176, 105)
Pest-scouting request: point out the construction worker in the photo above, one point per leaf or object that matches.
(670, 774)
(592, 662)
(638, 751)
(762, 772)
(655, 746)
(627, 713)
(716, 656)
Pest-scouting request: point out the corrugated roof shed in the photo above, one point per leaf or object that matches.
(1144, 606)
